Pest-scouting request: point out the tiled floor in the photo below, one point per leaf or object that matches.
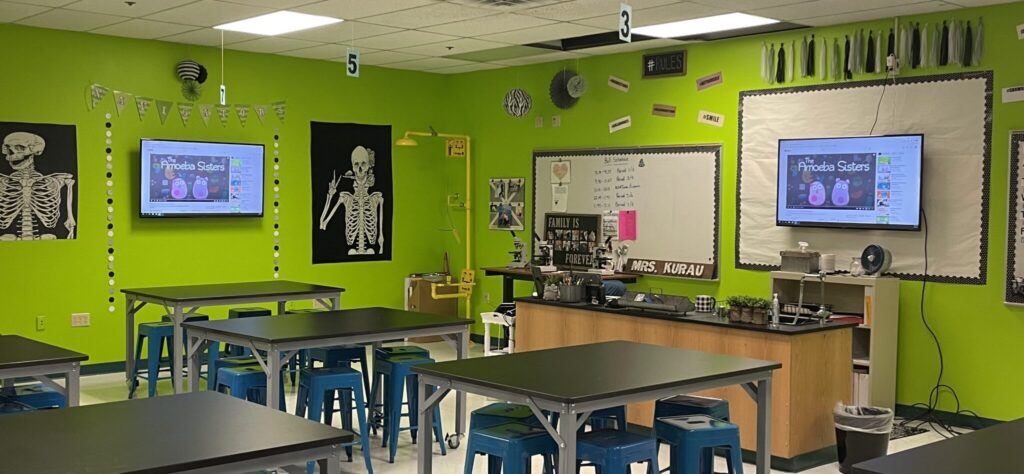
(111, 387)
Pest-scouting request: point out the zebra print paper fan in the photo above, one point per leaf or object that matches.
(518, 102)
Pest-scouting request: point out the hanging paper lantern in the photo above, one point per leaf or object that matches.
(188, 70)
(191, 89)
(577, 86)
(559, 90)
(518, 102)
(203, 74)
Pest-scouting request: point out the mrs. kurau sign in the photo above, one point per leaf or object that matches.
(645, 266)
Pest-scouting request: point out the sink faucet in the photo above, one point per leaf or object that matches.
(822, 314)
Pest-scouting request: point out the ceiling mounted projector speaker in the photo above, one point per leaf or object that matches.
(875, 260)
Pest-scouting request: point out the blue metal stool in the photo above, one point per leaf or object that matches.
(498, 414)
(510, 446)
(228, 362)
(397, 378)
(212, 352)
(315, 383)
(391, 351)
(248, 383)
(693, 439)
(235, 351)
(605, 418)
(342, 356)
(158, 334)
(301, 359)
(612, 451)
(37, 396)
(375, 401)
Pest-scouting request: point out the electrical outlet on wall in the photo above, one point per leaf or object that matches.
(40, 323)
(79, 320)
(556, 120)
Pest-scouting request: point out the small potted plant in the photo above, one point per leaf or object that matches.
(760, 307)
(736, 304)
(551, 287)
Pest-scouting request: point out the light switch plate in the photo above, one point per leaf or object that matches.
(79, 320)
(538, 122)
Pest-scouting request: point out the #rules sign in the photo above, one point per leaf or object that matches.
(704, 271)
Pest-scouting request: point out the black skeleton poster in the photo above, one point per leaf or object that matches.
(353, 198)
(38, 197)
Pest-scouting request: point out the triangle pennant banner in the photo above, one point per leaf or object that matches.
(224, 112)
(185, 111)
(163, 108)
(120, 100)
(96, 94)
(261, 112)
(205, 110)
(242, 110)
(279, 110)
(143, 104)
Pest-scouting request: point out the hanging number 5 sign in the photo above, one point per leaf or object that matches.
(352, 62)
(625, 23)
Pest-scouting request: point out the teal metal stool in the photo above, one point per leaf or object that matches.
(212, 352)
(396, 377)
(611, 451)
(693, 439)
(498, 414)
(233, 313)
(317, 389)
(228, 362)
(157, 334)
(510, 446)
(342, 356)
(682, 405)
(375, 400)
(248, 383)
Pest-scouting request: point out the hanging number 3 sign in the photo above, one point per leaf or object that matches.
(352, 63)
(625, 23)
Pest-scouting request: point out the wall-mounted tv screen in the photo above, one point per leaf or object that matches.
(201, 179)
(850, 182)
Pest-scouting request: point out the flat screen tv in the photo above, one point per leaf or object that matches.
(850, 182)
(200, 179)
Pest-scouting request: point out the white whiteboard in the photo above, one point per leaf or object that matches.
(674, 190)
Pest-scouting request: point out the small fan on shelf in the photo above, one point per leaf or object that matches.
(875, 260)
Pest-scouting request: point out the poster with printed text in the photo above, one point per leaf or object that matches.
(38, 178)
(1015, 224)
(352, 192)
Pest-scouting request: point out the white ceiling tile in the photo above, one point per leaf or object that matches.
(427, 64)
(120, 7)
(543, 33)
(209, 37)
(324, 51)
(655, 16)
(356, 9)
(429, 15)
(902, 10)
(341, 32)
(208, 13)
(402, 39)
(16, 11)
(71, 20)
(488, 25)
(145, 29)
(448, 48)
(275, 4)
(467, 68)
(272, 44)
(745, 5)
(45, 3)
(579, 9)
(634, 46)
(387, 57)
(541, 58)
(818, 8)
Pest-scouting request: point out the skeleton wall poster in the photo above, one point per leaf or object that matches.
(353, 199)
(38, 197)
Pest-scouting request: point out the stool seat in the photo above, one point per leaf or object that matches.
(612, 451)
(37, 396)
(693, 439)
(509, 446)
(390, 351)
(500, 413)
(692, 405)
(248, 382)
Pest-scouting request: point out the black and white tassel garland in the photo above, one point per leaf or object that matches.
(870, 66)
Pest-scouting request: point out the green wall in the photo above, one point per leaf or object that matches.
(980, 336)
(57, 278)
(54, 279)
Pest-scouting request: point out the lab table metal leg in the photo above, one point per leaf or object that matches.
(764, 428)
(273, 368)
(177, 370)
(72, 385)
(425, 446)
(567, 426)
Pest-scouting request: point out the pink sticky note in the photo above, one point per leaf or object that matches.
(627, 224)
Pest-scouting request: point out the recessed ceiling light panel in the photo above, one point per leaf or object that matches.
(699, 26)
(278, 23)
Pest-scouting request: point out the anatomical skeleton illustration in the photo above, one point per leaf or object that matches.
(29, 198)
(364, 211)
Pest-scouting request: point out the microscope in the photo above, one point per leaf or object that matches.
(601, 260)
(518, 261)
(543, 261)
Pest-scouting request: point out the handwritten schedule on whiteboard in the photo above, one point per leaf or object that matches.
(671, 195)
